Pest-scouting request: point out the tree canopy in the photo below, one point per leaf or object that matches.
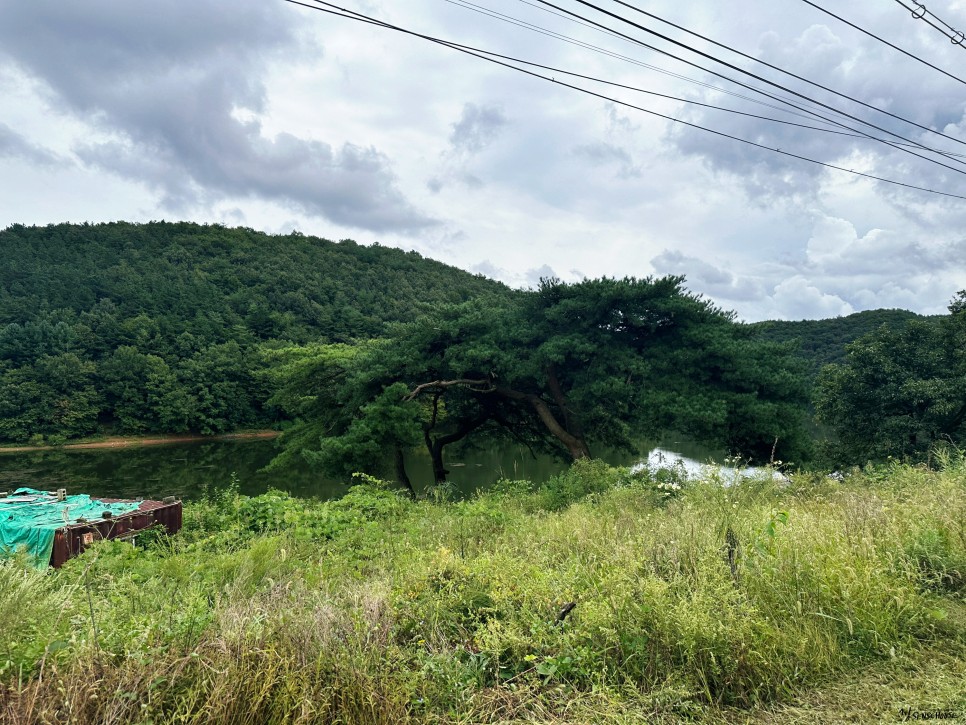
(160, 327)
(821, 342)
(567, 368)
(899, 391)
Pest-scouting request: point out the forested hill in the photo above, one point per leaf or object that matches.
(220, 283)
(823, 341)
(165, 327)
(156, 327)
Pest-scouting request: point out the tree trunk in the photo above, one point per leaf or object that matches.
(435, 445)
(401, 474)
(571, 422)
(576, 445)
(436, 455)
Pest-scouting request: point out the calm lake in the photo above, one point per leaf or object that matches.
(191, 470)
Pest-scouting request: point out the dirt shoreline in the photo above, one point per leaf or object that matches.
(136, 441)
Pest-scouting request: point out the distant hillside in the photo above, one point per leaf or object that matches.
(155, 327)
(161, 327)
(824, 341)
(239, 281)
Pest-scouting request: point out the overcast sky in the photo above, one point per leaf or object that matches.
(264, 114)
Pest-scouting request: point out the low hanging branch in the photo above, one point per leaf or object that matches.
(478, 386)
(574, 443)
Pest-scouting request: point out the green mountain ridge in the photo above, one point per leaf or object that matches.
(293, 287)
(161, 327)
(157, 327)
(822, 342)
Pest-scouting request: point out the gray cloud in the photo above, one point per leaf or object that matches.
(14, 145)
(486, 267)
(838, 272)
(603, 153)
(527, 279)
(449, 177)
(617, 123)
(706, 278)
(477, 128)
(169, 81)
(797, 299)
(854, 66)
(533, 276)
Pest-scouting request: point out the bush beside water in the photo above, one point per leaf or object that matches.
(691, 600)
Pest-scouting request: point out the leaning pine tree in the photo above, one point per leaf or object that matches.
(565, 368)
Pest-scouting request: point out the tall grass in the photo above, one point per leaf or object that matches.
(598, 594)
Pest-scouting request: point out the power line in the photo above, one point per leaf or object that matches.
(360, 17)
(637, 89)
(466, 4)
(883, 40)
(607, 31)
(758, 77)
(919, 12)
(856, 133)
(772, 83)
(908, 143)
(604, 51)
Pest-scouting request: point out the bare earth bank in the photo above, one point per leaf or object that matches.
(136, 441)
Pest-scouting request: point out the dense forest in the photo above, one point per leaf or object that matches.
(183, 328)
(161, 327)
(821, 342)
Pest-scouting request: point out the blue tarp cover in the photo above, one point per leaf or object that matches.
(29, 518)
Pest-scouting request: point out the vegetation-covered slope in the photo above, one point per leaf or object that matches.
(167, 328)
(221, 283)
(823, 341)
(155, 327)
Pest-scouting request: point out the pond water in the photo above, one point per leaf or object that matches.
(190, 470)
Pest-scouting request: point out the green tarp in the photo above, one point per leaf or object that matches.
(29, 518)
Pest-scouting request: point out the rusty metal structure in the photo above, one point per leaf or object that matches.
(71, 540)
(51, 527)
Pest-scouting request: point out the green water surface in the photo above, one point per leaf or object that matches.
(191, 470)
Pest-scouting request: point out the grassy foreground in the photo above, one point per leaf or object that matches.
(809, 601)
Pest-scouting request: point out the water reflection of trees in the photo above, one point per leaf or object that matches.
(188, 471)
(193, 470)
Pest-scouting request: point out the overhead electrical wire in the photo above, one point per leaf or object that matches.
(620, 37)
(758, 77)
(466, 4)
(608, 31)
(798, 77)
(892, 45)
(905, 145)
(637, 89)
(331, 9)
(883, 40)
(919, 12)
(551, 33)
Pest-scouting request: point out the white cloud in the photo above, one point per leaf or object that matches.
(796, 299)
